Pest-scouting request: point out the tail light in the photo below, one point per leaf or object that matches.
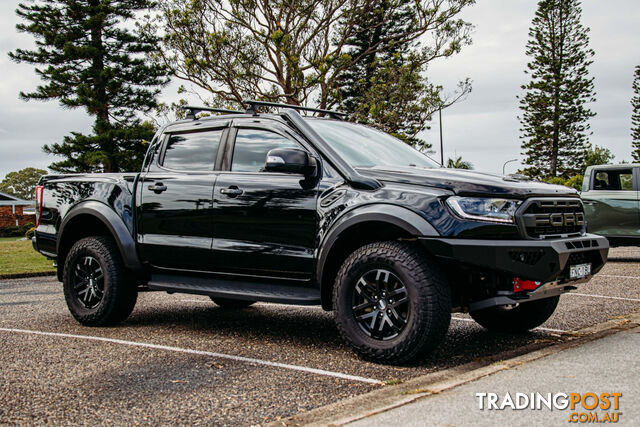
(520, 285)
(39, 200)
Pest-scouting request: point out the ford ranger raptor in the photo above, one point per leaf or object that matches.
(270, 204)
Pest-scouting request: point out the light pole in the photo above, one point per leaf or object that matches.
(505, 164)
(441, 145)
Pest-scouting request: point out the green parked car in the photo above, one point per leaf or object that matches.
(611, 204)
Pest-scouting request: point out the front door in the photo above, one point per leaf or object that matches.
(265, 222)
(175, 224)
(611, 205)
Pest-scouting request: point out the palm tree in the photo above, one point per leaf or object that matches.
(458, 163)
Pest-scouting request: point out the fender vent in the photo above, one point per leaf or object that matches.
(331, 198)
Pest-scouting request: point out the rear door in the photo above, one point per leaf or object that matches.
(611, 205)
(265, 223)
(175, 224)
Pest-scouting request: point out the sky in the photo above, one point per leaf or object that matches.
(483, 128)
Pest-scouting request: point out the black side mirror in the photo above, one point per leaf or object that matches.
(291, 160)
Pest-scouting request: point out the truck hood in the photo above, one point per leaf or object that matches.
(467, 183)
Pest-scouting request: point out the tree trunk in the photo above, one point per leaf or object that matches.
(101, 125)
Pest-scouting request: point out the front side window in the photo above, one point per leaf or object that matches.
(613, 180)
(192, 151)
(251, 148)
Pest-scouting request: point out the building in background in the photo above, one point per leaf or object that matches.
(15, 212)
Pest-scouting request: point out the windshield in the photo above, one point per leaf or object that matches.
(365, 147)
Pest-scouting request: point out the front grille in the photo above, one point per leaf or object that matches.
(546, 218)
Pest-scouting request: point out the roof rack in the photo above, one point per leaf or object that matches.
(253, 108)
(193, 111)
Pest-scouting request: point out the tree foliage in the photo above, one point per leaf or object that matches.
(593, 156)
(597, 156)
(555, 116)
(387, 86)
(22, 183)
(295, 51)
(458, 163)
(88, 57)
(574, 182)
(635, 116)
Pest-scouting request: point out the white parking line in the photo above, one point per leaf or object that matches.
(539, 328)
(199, 352)
(603, 296)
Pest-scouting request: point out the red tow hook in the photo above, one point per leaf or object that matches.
(520, 285)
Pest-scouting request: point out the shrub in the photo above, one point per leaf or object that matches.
(573, 182)
(30, 232)
(554, 180)
(11, 231)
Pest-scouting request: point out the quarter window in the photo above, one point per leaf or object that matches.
(192, 151)
(614, 180)
(251, 148)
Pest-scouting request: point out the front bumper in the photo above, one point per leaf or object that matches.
(540, 260)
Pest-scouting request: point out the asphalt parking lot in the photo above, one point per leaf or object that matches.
(182, 359)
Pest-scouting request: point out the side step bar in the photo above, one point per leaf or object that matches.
(248, 291)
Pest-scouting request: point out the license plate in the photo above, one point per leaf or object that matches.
(579, 271)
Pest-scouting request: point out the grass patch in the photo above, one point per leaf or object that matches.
(17, 256)
(10, 239)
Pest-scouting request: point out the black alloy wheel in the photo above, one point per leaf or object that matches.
(88, 282)
(391, 301)
(98, 289)
(381, 304)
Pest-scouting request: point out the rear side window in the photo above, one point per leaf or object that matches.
(192, 151)
(251, 148)
(613, 180)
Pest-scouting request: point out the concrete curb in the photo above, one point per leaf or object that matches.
(389, 397)
(26, 275)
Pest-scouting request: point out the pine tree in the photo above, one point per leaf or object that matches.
(380, 24)
(555, 117)
(635, 116)
(88, 57)
(385, 86)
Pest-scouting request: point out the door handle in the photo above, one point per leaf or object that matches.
(590, 202)
(157, 188)
(232, 191)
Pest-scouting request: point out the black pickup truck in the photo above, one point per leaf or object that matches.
(250, 206)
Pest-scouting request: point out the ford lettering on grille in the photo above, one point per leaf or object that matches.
(559, 219)
(543, 218)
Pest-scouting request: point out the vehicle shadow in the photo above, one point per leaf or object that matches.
(310, 331)
(623, 259)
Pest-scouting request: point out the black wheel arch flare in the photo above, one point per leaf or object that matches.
(110, 219)
(409, 221)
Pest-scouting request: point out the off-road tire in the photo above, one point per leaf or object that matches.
(232, 304)
(521, 318)
(119, 291)
(429, 301)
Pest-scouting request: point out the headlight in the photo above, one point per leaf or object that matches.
(483, 209)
